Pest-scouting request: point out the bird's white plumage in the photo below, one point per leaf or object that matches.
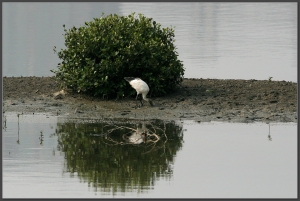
(140, 86)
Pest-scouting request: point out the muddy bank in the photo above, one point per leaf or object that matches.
(197, 99)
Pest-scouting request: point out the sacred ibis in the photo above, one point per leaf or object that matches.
(141, 87)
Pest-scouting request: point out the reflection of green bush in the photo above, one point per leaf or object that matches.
(116, 167)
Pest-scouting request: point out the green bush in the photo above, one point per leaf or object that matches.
(101, 53)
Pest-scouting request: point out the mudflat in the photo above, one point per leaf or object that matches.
(200, 100)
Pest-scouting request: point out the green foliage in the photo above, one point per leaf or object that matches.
(101, 53)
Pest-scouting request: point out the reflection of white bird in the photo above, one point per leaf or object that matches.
(137, 137)
(141, 87)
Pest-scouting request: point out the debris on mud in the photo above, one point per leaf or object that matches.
(196, 99)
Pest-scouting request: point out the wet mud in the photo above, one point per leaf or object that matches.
(200, 100)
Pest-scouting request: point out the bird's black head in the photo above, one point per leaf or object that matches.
(128, 79)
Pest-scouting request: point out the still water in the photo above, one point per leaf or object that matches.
(214, 40)
(50, 157)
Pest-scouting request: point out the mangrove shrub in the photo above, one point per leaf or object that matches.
(101, 53)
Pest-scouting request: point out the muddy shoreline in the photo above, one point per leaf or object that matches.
(201, 100)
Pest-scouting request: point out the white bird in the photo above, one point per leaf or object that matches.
(141, 87)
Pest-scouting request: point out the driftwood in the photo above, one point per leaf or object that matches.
(136, 136)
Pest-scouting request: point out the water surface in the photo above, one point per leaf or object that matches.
(49, 157)
(214, 40)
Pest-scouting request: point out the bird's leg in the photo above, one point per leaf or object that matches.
(150, 101)
(141, 100)
(137, 104)
(137, 100)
